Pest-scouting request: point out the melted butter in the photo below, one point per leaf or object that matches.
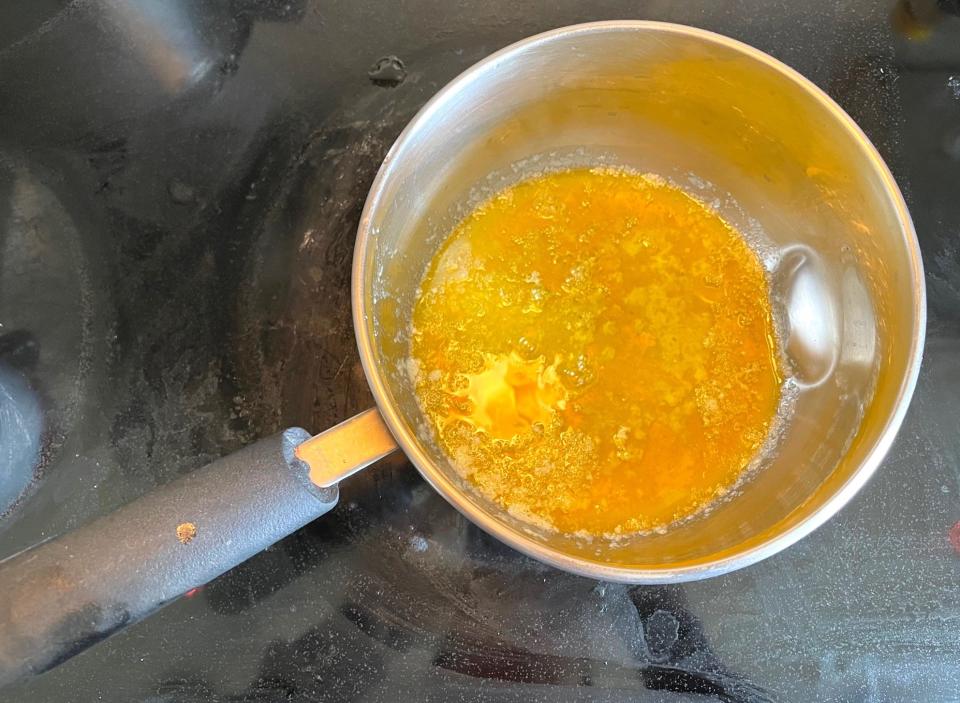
(596, 352)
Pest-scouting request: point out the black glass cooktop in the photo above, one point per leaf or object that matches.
(180, 182)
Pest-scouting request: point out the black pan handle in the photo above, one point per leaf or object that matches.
(60, 597)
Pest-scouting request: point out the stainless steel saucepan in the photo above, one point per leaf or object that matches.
(753, 138)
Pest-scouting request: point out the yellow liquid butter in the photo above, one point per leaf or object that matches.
(595, 351)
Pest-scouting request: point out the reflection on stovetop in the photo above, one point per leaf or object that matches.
(419, 582)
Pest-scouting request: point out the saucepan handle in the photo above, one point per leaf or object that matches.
(64, 595)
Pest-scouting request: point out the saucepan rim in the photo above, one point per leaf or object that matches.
(515, 537)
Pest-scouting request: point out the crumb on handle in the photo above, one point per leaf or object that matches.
(186, 531)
